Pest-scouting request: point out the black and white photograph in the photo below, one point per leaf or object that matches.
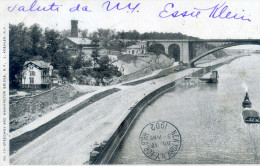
(129, 82)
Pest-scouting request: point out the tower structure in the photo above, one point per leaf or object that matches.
(74, 28)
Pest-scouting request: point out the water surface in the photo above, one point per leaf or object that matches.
(209, 118)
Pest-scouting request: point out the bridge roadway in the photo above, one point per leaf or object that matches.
(198, 40)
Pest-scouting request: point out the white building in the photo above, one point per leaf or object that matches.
(112, 58)
(139, 48)
(113, 55)
(37, 74)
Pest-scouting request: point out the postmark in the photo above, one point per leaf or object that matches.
(160, 140)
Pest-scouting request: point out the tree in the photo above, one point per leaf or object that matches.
(94, 55)
(106, 70)
(132, 35)
(84, 33)
(35, 32)
(53, 42)
(20, 51)
(65, 33)
(103, 62)
(105, 36)
(78, 63)
(63, 64)
(157, 49)
(87, 63)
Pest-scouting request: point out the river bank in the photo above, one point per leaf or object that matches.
(103, 153)
(209, 118)
(95, 117)
(82, 137)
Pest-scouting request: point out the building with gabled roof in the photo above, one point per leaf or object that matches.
(36, 74)
(80, 41)
(75, 44)
(139, 48)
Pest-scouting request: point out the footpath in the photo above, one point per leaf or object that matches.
(72, 140)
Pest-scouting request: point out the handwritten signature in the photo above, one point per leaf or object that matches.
(217, 11)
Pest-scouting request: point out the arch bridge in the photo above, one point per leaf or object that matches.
(190, 51)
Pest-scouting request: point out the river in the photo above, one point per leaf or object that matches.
(208, 117)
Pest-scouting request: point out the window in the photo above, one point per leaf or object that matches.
(31, 80)
(32, 73)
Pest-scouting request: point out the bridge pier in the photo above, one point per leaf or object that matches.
(167, 50)
(184, 53)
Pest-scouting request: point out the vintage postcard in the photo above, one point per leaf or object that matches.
(129, 82)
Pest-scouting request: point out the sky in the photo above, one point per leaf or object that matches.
(145, 18)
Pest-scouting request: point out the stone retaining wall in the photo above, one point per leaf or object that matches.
(29, 108)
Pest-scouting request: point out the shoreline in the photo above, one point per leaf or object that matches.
(104, 153)
(96, 115)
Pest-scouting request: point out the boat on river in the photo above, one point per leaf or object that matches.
(213, 78)
(249, 114)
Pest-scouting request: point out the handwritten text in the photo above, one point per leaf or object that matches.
(119, 6)
(34, 7)
(217, 11)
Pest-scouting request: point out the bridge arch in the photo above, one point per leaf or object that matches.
(157, 48)
(192, 62)
(174, 52)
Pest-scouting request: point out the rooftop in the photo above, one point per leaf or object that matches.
(79, 41)
(41, 64)
(134, 46)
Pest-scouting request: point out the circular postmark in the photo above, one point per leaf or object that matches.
(160, 140)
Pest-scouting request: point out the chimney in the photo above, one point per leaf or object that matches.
(74, 28)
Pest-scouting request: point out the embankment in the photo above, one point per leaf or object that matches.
(102, 154)
(29, 108)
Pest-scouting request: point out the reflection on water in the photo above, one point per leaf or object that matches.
(209, 118)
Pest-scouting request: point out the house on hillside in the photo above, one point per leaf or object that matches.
(76, 44)
(139, 48)
(112, 58)
(113, 55)
(37, 74)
